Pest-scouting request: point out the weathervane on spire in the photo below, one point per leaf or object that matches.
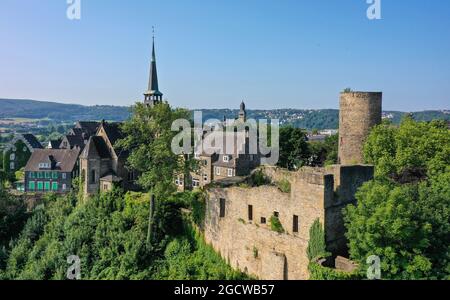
(153, 32)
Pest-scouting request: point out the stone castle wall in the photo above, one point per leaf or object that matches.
(251, 246)
(359, 112)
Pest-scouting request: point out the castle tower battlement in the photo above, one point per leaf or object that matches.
(359, 113)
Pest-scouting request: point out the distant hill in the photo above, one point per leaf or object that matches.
(309, 119)
(32, 109)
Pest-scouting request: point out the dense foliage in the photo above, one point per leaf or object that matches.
(108, 233)
(297, 152)
(294, 152)
(148, 138)
(403, 216)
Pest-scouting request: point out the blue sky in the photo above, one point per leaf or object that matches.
(213, 54)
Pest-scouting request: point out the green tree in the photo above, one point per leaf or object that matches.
(148, 137)
(403, 216)
(293, 148)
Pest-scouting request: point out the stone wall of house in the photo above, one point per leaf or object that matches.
(246, 240)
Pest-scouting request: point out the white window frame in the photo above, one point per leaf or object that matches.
(12, 156)
(64, 186)
(64, 176)
(217, 170)
(230, 173)
(226, 158)
(12, 166)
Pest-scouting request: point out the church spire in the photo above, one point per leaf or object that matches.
(153, 95)
(242, 112)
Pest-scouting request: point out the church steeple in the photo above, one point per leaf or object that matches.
(153, 95)
(242, 112)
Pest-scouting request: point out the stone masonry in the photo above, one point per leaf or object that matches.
(359, 113)
(237, 222)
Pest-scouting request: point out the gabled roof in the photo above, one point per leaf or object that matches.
(88, 127)
(63, 160)
(73, 141)
(113, 131)
(54, 144)
(32, 140)
(96, 148)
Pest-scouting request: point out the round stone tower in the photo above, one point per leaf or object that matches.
(359, 112)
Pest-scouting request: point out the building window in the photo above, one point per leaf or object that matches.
(48, 175)
(93, 179)
(263, 220)
(47, 186)
(217, 171)
(55, 186)
(31, 186)
(40, 186)
(31, 175)
(250, 212)
(276, 214)
(295, 224)
(230, 172)
(64, 187)
(205, 177)
(226, 158)
(63, 175)
(11, 165)
(12, 156)
(195, 183)
(222, 208)
(55, 175)
(105, 187)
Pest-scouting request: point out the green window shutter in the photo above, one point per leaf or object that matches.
(47, 186)
(40, 186)
(55, 186)
(47, 175)
(55, 175)
(31, 186)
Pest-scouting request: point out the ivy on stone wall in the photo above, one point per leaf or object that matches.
(316, 246)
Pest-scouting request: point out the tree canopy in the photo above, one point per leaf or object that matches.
(403, 216)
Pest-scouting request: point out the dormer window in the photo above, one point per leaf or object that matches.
(226, 158)
(44, 166)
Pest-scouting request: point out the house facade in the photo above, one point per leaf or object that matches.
(18, 151)
(51, 170)
(103, 164)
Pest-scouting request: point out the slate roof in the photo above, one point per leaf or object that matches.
(96, 147)
(32, 140)
(54, 144)
(74, 141)
(63, 160)
(88, 127)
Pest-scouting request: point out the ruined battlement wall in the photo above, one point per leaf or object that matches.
(238, 236)
(246, 240)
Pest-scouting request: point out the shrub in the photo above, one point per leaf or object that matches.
(284, 185)
(316, 246)
(258, 178)
(275, 224)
